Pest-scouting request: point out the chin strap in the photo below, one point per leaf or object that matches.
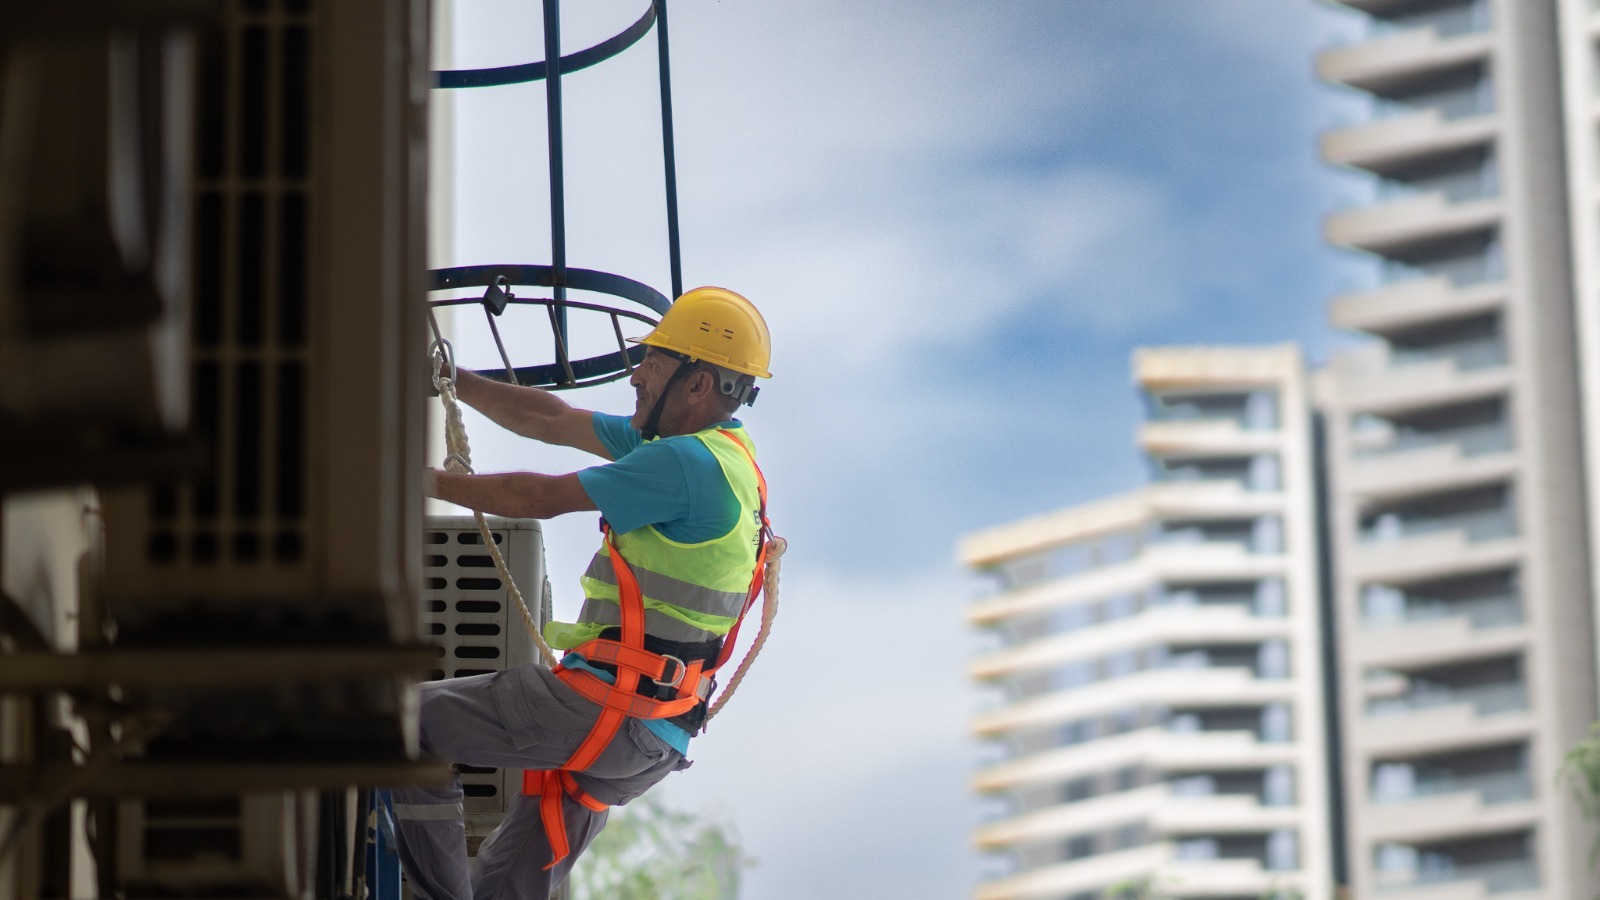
(652, 425)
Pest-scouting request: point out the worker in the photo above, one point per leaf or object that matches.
(682, 507)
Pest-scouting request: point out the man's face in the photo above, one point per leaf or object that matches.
(648, 380)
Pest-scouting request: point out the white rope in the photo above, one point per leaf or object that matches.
(459, 460)
(769, 611)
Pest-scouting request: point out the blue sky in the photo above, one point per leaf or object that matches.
(959, 218)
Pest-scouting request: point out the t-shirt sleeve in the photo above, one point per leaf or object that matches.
(616, 434)
(647, 486)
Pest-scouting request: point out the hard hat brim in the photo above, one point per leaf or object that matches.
(700, 356)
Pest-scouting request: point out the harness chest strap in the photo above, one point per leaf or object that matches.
(620, 700)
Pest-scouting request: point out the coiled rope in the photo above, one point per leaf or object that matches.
(458, 459)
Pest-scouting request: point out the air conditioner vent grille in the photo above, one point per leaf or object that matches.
(471, 618)
(251, 300)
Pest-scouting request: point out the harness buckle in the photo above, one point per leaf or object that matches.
(677, 677)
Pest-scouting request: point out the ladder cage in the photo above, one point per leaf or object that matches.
(500, 282)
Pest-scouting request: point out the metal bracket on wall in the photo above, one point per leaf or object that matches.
(208, 668)
(204, 779)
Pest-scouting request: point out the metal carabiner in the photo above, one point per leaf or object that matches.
(441, 353)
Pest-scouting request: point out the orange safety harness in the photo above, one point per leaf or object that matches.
(619, 701)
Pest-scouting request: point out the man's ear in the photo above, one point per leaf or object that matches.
(703, 384)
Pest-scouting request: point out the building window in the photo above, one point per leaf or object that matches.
(1266, 537)
(1277, 786)
(1276, 724)
(1272, 659)
(1271, 599)
(1283, 850)
(1195, 849)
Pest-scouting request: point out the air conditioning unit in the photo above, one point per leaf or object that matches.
(94, 240)
(252, 846)
(307, 344)
(471, 616)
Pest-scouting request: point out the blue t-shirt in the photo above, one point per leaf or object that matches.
(673, 483)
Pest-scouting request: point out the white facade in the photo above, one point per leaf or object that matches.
(1467, 649)
(1158, 652)
(1580, 51)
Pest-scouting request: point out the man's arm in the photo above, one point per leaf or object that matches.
(515, 495)
(531, 412)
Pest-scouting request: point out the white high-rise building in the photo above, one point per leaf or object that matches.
(1161, 726)
(1458, 513)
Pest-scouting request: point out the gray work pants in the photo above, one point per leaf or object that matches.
(522, 718)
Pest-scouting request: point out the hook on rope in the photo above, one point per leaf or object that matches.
(444, 359)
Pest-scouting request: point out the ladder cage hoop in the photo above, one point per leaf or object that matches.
(565, 373)
(523, 73)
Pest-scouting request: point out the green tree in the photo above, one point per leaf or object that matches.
(1580, 771)
(648, 852)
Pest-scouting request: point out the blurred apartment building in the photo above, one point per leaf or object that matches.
(1455, 452)
(1459, 573)
(1162, 721)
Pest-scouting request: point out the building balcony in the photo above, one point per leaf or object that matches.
(1156, 748)
(1219, 498)
(1219, 814)
(1171, 687)
(1120, 578)
(1385, 143)
(1206, 437)
(1093, 874)
(1067, 819)
(1496, 609)
(1444, 720)
(1464, 807)
(1371, 379)
(1228, 878)
(1373, 7)
(1378, 64)
(1504, 880)
(1154, 626)
(1418, 301)
(1209, 561)
(1424, 463)
(1472, 543)
(1441, 641)
(1387, 227)
(1169, 562)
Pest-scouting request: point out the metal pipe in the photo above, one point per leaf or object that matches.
(668, 154)
(558, 200)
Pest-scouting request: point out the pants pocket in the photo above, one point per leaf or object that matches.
(516, 713)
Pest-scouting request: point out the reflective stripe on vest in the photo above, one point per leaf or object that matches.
(691, 592)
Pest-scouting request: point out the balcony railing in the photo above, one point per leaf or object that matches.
(1459, 103)
(1467, 18)
(1497, 877)
(1482, 612)
(1477, 440)
(1482, 353)
(1487, 700)
(1465, 270)
(1486, 525)
(1499, 787)
(1463, 187)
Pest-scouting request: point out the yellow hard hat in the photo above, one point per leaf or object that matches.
(717, 326)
